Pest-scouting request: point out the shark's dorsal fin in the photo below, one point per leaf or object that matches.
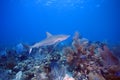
(48, 34)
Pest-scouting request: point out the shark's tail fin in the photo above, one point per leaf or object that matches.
(28, 47)
(30, 50)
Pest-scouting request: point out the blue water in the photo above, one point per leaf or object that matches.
(28, 20)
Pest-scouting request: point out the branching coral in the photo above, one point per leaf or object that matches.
(79, 44)
(68, 52)
(76, 41)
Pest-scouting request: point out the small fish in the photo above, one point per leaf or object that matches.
(50, 40)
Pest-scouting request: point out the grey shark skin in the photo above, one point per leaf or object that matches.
(50, 40)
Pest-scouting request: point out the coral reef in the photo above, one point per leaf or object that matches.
(82, 60)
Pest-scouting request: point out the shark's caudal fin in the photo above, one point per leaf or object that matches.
(27, 47)
(30, 50)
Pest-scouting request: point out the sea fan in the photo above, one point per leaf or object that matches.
(58, 73)
(108, 56)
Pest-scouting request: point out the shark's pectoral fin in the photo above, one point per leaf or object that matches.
(48, 34)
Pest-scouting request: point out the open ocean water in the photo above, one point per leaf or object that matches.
(28, 20)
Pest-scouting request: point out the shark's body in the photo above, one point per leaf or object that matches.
(50, 40)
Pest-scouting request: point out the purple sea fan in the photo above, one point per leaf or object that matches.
(108, 57)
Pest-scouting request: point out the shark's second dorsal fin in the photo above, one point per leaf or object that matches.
(48, 34)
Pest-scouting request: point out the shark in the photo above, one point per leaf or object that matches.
(50, 40)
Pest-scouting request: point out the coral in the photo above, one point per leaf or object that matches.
(83, 60)
(58, 73)
(76, 41)
(92, 49)
(67, 77)
(116, 50)
(79, 44)
(5, 74)
(18, 76)
(95, 76)
(68, 50)
(108, 56)
(69, 53)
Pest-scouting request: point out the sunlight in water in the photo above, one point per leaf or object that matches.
(70, 3)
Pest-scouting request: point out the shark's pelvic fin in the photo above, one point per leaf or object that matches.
(48, 34)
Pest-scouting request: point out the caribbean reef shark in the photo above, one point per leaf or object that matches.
(50, 40)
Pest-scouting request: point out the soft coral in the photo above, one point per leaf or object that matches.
(108, 56)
